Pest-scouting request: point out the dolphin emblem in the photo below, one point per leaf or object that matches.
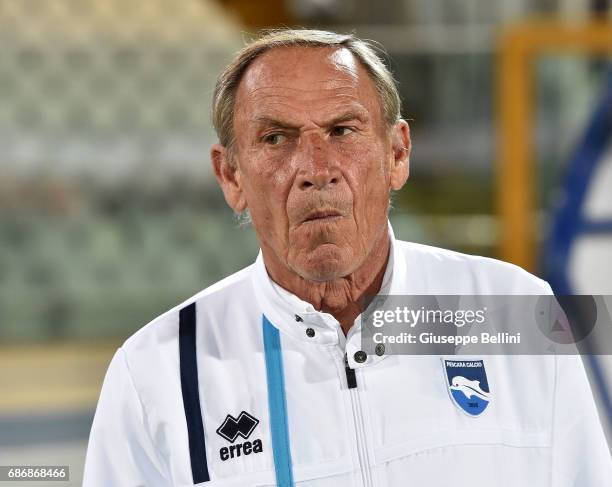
(469, 388)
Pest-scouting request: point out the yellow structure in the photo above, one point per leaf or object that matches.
(46, 379)
(519, 48)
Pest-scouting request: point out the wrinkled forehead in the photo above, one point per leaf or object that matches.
(307, 62)
(305, 74)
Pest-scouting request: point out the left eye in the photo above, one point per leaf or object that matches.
(341, 130)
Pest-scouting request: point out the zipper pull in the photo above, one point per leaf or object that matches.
(351, 380)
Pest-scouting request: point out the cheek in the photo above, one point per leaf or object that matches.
(370, 180)
(267, 183)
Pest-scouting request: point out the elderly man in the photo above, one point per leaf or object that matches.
(261, 379)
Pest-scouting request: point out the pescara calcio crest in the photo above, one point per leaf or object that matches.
(468, 385)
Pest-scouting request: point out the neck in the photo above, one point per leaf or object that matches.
(341, 297)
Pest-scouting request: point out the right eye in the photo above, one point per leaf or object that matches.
(274, 138)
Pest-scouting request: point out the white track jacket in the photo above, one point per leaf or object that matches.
(246, 385)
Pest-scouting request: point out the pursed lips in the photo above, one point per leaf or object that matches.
(322, 215)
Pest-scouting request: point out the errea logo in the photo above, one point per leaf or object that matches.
(231, 429)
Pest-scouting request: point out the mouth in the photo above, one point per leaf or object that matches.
(321, 215)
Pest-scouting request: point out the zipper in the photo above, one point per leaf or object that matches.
(351, 380)
(362, 449)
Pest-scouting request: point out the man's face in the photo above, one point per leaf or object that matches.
(314, 161)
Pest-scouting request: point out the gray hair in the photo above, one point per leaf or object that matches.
(227, 84)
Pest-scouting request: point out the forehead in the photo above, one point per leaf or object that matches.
(301, 78)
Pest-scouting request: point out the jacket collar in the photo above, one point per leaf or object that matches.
(293, 316)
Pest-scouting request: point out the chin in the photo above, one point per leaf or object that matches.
(325, 263)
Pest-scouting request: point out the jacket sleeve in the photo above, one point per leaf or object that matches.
(121, 452)
(580, 454)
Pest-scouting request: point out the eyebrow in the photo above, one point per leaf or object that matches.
(362, 116)
(273, 122)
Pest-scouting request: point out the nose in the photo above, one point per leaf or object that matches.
(317, 167)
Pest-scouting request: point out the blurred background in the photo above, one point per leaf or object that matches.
(110, 215)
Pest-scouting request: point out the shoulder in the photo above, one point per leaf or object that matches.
(148, 361)
(151, 355)
(163, 330)
(447, 271)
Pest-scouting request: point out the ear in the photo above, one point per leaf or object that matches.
(401, 145)
(229, 177)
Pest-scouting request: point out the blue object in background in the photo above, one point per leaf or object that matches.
(571, 222)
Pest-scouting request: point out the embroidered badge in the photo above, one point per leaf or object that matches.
(468, 385)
